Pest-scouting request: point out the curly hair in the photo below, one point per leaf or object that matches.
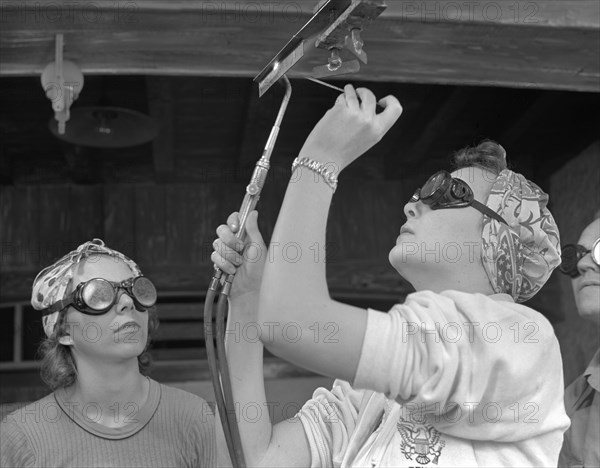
(487, 155)
(58, 368)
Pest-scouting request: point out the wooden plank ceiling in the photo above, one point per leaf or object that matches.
(551, 44)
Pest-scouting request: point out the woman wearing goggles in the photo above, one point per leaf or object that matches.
(582, 397)
(476, 243)
(99, 316)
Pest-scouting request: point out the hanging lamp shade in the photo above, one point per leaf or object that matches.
(106, 127)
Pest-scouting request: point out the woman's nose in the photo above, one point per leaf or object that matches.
(124, 303)
(412, 209)
(587, 263)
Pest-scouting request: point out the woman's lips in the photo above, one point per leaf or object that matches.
(131, 325)
(588, 282)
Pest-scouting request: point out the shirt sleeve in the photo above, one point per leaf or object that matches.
(483, 369)
(329, 419)
(15, 448)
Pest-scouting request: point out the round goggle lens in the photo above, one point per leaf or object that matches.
(144, 291)
(568, 259)
(459, 191)
(432, 184)
(596, 252)
(572, 254)
(98, 294)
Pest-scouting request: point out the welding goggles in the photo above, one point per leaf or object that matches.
(444, 191)
(572, 253)
(98, 295)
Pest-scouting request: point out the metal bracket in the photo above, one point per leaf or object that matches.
(345, 30)
(333, 21)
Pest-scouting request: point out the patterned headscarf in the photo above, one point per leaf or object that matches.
(520, 257)
(52, 283)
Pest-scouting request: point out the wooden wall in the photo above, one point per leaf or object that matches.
(169, 228)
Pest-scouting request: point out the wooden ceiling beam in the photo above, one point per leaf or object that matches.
(550, 44)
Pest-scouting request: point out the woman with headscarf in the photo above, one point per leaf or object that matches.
(460, 374)
(98, 313)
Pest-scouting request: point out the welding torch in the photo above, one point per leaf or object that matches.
(220, 285)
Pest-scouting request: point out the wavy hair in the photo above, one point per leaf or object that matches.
(58, 368)
(487, 155)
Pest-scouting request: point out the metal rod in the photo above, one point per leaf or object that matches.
(324, 84)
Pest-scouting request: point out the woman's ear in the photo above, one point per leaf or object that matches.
(65, 329)
(66, 340)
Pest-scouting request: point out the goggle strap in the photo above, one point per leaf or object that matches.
(57, 306)
(488, 211)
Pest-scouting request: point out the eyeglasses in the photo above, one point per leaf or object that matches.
(444, 191)
(571, 254)
(98, 295)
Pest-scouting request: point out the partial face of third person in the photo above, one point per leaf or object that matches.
(586, 286)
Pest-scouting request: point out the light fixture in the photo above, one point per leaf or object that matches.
(106, 127)
(62, 81)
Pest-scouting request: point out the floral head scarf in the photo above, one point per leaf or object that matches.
(52, 283)
(520, 257)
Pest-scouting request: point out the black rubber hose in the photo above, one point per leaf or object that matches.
(222, 307)
(214, 367)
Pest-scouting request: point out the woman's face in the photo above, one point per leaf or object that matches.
(443, 241)
(119, 334)
(586, 287)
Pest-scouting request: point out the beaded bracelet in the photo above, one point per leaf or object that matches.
(328, 175)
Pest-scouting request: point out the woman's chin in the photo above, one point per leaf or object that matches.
(588, 310)
(126, 351)
(404, 269)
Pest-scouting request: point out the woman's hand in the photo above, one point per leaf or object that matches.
(350, 127)
(246, 260)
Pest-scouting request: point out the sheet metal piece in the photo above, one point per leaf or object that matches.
(328, 11)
